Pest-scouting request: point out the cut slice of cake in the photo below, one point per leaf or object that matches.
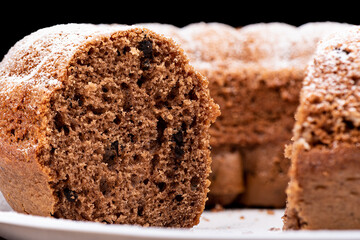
(104, 123)
(324, 191)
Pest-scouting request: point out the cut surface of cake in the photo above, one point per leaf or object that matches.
(104, 123)
(323, 192)
(255, 74)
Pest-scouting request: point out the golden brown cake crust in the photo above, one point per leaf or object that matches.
(54, 105)
(29, 73)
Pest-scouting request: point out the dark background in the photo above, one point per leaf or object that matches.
(19, 19)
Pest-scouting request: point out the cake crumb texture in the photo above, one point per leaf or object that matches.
(104, 123)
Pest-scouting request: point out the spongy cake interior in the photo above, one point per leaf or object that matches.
(127, 136)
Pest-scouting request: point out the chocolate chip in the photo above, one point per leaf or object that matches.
(126, 49)
(349, 125)
(141, 81)
(161, 186)
(70, 195)
(52, 150)
(179, 198)
(342, 50)
(117, 120)
(140, 211)
(146, 47)
(124, 86)
(104, 89)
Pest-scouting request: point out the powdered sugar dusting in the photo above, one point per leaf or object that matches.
(265, 46)
(36, 66)
(35, 59)
(330, 92)
(335, 68)
(270, 45)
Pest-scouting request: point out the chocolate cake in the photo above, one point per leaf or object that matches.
(255, 75)
(323, 192)
(104, 123)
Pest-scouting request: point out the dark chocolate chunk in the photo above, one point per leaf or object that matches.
(141, 81)
(140, 211)
(179, 198)
(70, 195)
(146, 47)
(342, 50)
(161, 186)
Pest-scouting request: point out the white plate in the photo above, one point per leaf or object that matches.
(228, 224)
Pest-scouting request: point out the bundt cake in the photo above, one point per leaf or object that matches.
(323, 192)
(104, 123)
(255, 75)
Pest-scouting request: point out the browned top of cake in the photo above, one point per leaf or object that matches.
(329, 111)
(270, 45)
(36, 58)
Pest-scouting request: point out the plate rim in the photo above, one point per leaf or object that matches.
(83, 227)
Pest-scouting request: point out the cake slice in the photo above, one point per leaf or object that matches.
(324, 191)
(104, 123)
